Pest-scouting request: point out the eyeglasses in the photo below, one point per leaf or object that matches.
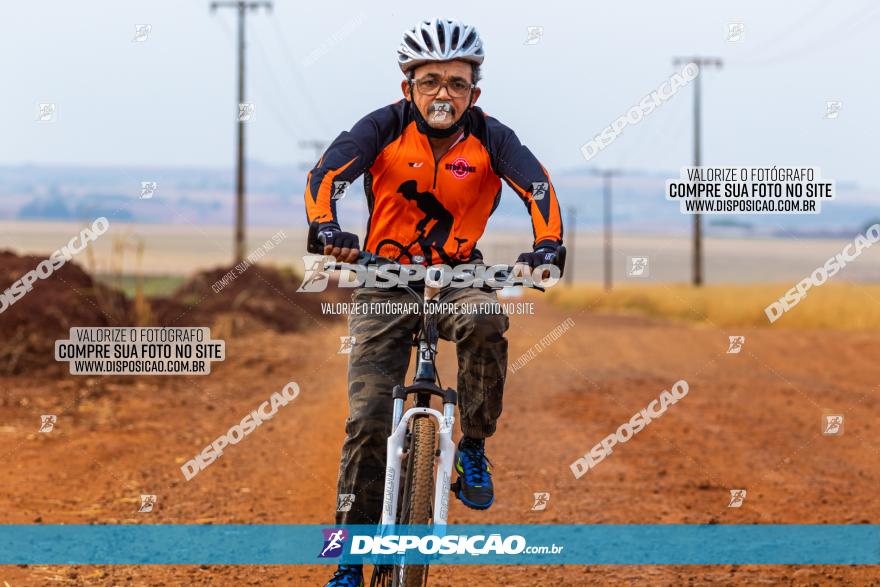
(430, 86)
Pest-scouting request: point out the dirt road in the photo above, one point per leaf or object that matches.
(751, 421)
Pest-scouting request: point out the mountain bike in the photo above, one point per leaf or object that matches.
(416, 448)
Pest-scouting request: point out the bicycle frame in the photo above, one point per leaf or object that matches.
(424, 385)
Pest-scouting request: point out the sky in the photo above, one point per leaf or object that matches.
(315, 68)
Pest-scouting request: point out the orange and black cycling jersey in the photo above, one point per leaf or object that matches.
(427, 212)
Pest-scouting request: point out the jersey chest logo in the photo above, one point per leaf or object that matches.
(460, 168)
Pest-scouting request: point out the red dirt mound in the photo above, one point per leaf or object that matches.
(231, 301)
(32, 323)
(241, 301)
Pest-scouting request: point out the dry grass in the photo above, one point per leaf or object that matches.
(832, 306)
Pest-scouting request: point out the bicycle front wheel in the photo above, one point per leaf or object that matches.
(417, 495)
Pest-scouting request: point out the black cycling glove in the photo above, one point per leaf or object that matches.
(544, 254)
(337, 238)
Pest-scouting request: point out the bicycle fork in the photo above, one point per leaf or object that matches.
(424, 386)
(395, 453)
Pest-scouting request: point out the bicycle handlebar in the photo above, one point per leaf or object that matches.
(366, 259)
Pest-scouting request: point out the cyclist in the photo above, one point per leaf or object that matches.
(447, 158)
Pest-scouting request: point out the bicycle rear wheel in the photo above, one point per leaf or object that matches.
(417, 495)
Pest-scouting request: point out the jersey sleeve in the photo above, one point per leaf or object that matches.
(346, 159)
(516, 165)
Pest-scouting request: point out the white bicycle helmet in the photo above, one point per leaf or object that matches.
(439, 40)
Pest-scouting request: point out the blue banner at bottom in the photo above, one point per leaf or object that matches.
(597, 544)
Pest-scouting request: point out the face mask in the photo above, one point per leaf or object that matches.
(438, 108)
(439, 111)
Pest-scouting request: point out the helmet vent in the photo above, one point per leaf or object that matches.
(470, 39)
(412, 44)
(441, 37)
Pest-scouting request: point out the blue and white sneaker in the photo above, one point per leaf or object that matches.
(347, 576)
(474, 486)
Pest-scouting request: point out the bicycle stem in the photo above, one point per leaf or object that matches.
(428, 338)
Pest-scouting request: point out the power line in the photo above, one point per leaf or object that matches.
(843, 31)
(241, 7)
(796, 26)
(301, 82)
(292, 131)
(263, 56)
(669, 117)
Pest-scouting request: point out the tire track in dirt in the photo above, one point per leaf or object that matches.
(750, 420)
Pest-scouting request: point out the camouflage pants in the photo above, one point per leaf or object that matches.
(379, 360)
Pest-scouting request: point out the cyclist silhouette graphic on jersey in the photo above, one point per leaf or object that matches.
(428, 203)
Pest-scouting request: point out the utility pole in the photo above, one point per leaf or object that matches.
(570, 231)
(606, 213)
(700, 62)
(242, 7)
(608, 266)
